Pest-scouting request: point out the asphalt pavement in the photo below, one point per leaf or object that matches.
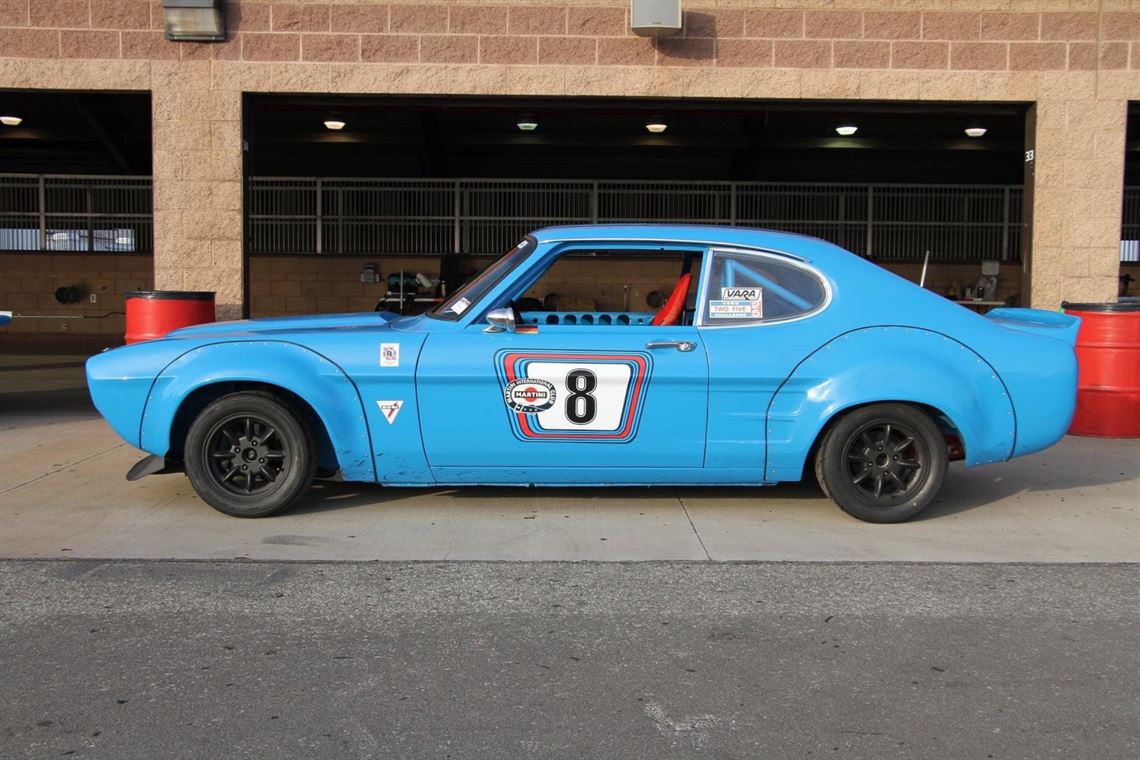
(567, 660)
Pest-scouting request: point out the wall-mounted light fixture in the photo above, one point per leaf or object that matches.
(846, 129)
(194, 20)
(11, 121)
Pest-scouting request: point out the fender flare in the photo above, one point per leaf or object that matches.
(323, 384)
(911, 365)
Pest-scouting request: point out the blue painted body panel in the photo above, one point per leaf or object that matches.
(453, 404)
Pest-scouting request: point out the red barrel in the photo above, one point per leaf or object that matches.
(1108, 359)
(153, 313)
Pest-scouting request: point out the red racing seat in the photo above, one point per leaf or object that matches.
(671, 311)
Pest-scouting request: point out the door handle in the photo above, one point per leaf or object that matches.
(684, 346)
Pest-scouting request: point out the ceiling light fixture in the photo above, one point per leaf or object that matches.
(334, 124)
(11, 121)
(656, 125)
(527, 123)
(975, 129)
(846, 129)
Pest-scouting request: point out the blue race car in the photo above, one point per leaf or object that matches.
(609, 355)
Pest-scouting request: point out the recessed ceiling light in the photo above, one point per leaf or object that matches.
(975, 129)
(335, 124)
(847, 129)
(527, 123)
(10, 121)
(656, 125)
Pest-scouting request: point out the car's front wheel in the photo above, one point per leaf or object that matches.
(250, 454)
(882, 463)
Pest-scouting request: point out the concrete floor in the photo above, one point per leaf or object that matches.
(62, 494)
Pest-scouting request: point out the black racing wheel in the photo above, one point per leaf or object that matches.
(250, 454)
(882, 463)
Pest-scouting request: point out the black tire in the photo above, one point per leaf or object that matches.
(250, 454)
(882, 463)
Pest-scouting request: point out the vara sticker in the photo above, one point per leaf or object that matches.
(389, 354)
(390, 409)
(740, 294)
(529, 395)
(460, 306)
(736, 309)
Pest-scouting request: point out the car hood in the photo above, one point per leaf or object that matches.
(269, 326)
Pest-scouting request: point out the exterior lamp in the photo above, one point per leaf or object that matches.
(975, 129)
(334, 124)
(656, 125)
(194, 20)
(527, 123)
(846, 129)
(11, 121)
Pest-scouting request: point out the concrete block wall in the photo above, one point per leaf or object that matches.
(28, 289)
(1077, 60)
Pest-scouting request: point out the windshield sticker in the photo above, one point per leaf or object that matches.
(390, 409)
(530, 395)
(460, 306)
(389, 354)
(738, 308)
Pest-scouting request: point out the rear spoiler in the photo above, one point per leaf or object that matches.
(1051, 324)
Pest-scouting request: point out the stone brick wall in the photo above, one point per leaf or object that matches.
(28, 288)
(1078, 60)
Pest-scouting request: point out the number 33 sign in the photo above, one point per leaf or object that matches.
(590, 397)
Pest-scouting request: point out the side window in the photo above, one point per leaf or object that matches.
(612, 287)
(747, 288)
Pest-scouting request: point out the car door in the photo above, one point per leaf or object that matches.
(612, 400)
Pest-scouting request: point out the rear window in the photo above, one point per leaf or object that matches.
(747, 288)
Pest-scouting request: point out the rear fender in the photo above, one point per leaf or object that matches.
(880, 364)
(309, 375)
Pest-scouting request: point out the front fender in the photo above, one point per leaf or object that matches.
(879, 364)
(306, 373)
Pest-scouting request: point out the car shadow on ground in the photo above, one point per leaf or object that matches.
(964, 490)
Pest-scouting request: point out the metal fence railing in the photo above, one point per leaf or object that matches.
(57, 212)
(483, 216)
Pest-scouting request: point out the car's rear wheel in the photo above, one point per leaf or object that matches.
(250, 454)
(882, 463)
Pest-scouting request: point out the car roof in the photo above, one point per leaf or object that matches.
(748, 237)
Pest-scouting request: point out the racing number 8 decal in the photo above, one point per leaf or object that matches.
(574, 396)
(581, 407)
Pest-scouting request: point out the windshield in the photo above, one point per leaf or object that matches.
(460, 301)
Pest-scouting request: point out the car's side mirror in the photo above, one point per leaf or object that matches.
(500, 320)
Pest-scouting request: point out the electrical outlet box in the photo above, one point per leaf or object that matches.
(93, 298)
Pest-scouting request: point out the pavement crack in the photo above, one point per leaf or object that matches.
(691, 525)
(61, 468)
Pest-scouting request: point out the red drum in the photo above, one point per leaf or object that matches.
(1108, 359)
(153, 313)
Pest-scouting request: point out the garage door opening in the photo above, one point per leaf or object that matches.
(338, 187)
(1130, 222)
(76, 215)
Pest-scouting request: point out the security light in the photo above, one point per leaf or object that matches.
(11, 121)
(975, 129)
(847, 129)
(194, 20)
(334, 124)
(656, 125)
